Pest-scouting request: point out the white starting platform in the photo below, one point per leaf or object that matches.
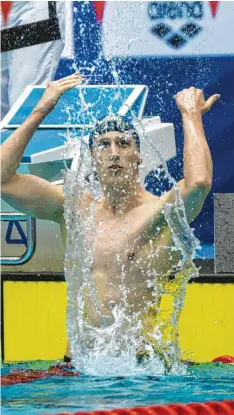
(57, 139)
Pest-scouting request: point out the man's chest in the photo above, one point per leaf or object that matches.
(128, 243)
(135, 240)
(120, 235)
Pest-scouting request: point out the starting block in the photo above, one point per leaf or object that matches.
(59, 135)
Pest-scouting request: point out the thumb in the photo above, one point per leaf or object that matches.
(210, 101)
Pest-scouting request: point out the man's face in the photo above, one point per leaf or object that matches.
(116, 157)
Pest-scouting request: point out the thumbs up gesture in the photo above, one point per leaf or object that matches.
(191, 101)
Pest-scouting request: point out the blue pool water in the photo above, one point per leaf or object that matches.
(59, 394)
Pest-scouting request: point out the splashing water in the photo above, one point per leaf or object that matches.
(110, 346)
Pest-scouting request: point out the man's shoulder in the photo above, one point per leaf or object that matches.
(153, 206)
(153, 199)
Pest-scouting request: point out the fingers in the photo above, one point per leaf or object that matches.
(185, 90)
(77, 80)
(72, 76)
(66, 83)
(73, 79)
(69, 81)
(70, 85)
(217, 96)
(210, 101)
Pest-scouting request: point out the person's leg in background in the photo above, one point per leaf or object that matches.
(4, 85)
(37, 64)
(4, 100)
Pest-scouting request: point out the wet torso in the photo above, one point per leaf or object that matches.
(131, 251)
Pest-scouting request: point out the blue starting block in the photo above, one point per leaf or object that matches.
(78, 109)
(74, 116)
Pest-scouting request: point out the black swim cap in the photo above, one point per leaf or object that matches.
(113, 123)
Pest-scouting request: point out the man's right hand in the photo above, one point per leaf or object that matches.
(55, 89)
(31, 194)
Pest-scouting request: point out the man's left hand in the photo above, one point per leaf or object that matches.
(192, 101)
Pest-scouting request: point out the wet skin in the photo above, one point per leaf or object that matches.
(125, 203)
(133, 240)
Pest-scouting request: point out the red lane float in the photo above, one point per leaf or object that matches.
(26, 376)
(224, 359)
(207, 408)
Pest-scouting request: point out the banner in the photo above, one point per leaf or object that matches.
(167, 28)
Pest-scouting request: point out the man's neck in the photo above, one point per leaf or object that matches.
(120, 200)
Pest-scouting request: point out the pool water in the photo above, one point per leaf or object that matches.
(204, 382)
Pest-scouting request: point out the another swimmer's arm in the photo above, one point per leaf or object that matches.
(31, 194)
(198, 169)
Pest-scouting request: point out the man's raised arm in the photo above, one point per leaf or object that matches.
(27, 193)
(198, 169)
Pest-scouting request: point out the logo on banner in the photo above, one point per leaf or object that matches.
(22, 237)
(167, 14)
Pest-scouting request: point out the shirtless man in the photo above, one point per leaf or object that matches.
(115, 152)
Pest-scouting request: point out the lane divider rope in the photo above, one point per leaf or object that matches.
(207, 408)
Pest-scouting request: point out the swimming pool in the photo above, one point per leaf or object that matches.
(201, 383)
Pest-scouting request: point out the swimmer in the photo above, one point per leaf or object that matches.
(115, 151)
